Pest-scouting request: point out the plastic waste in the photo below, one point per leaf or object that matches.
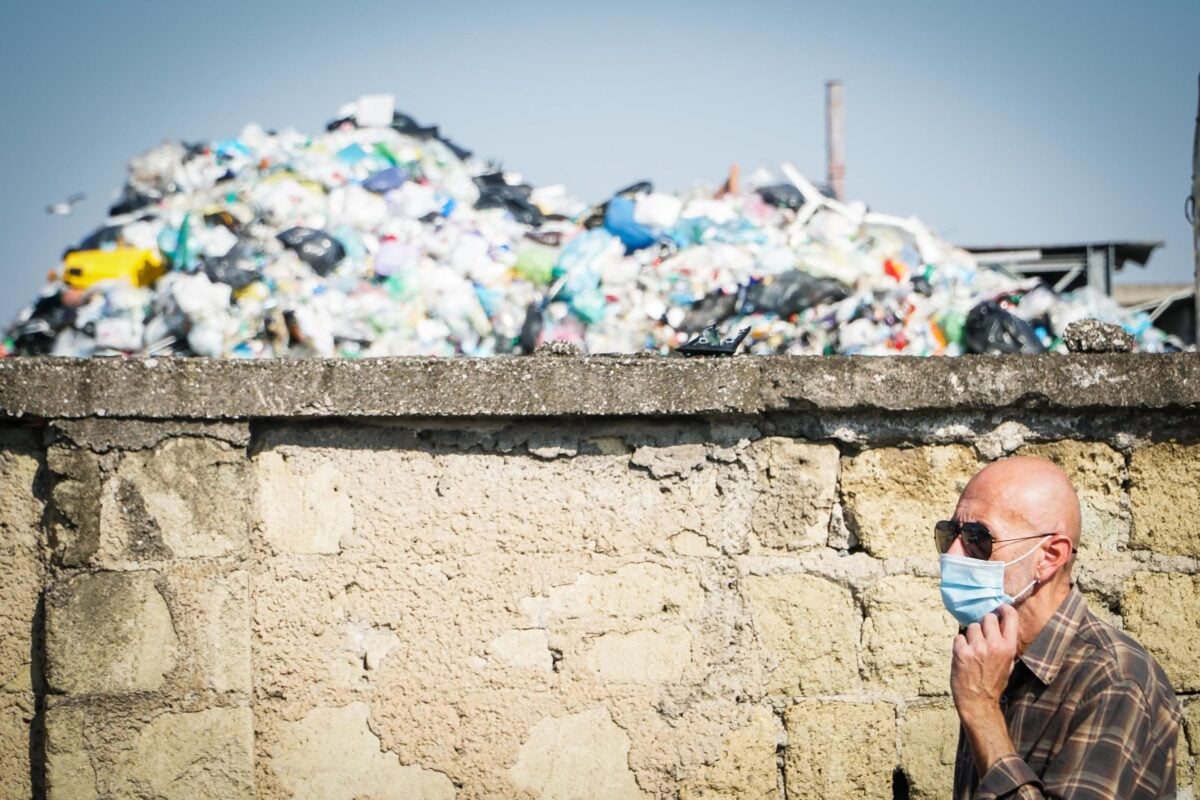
(619, 221)
(379, 236)
(793, 292)
(991, 329)
(316, 248)
(83, 268)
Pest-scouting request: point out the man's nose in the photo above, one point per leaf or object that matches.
(956, 547)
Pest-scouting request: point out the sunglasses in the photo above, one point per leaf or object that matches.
(976, 538)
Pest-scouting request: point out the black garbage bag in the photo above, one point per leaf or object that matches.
(129, 201)
(793, 291)
(237, 268)
(713, 308)
(496, 192)
(316, 248)
(403, 123)
(35, 335)
(991, 329)
(460, 152)
(531, 329)
(782, 195)
(493, 178)
(515, 199)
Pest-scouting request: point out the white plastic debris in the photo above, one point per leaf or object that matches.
(380, 237)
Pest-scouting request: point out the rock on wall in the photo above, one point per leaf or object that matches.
(728, 606)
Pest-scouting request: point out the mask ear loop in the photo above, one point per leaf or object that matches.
(1031, 551)
(1035, 581)
(1031, 585)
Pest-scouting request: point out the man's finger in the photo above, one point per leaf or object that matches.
(974, 633)
(1009, 622)
(990, 625)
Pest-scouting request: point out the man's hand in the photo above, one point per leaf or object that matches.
(983, 660)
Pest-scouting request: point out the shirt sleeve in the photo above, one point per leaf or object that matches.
(1010, 777)
(1110, 754)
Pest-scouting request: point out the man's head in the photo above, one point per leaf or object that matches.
(1019, 501)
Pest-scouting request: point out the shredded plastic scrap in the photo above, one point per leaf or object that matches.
(379, 237)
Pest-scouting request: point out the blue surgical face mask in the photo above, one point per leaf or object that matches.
(973, 588)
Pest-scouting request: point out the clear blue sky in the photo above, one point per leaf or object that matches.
(1020, 122)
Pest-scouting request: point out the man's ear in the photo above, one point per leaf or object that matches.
(1058, 551)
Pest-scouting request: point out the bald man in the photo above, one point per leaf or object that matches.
(1052, 701)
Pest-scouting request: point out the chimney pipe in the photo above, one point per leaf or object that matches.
(835, 151)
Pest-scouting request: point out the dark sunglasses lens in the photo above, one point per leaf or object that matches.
(977, 539)
(943, 536)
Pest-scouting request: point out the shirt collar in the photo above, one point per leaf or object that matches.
(1044, 657)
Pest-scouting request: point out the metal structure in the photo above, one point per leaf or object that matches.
(1069, 266)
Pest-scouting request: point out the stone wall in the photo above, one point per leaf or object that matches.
(543, 578)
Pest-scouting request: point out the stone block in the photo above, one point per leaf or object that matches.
(906, 636)
(810, 626)
(929, 742)
(70, 769)
(795, 492)
(185, 498)
(893, 496)
(643, 656)
(635, 591)
(579, 755)
(1187, 755)
(302, 510)
(747, 767)
(20, 565)
(137, 750)
(839, 749)
(16, 714)
(332, 754)
(1098, 475)
(74, 504)
(1099, 605)
(1162, 611)
(1164, 490)
(108, 632)
(207, 753)
(211, 611)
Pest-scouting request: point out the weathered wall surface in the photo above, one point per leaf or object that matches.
(293, 593)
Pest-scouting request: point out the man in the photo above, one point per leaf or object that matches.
(1052, 701)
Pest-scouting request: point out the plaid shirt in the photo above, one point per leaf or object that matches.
(1090, 713)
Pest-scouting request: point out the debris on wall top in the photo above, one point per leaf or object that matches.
(381, 237)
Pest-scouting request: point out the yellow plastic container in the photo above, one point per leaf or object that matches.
(82, 268)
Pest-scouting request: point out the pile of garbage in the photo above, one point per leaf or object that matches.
(380, 237)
